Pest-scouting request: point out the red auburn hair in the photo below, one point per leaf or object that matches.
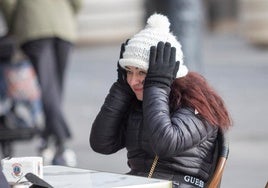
(194, 91)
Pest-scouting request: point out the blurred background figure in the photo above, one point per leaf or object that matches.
(187, 24)
(46, 31)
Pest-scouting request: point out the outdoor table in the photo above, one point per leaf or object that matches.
(68, 177)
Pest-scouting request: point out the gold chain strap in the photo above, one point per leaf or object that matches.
(153, 166)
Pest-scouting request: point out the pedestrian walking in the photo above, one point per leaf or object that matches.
(46, 32)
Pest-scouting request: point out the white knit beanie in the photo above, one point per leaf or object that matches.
(137, 51)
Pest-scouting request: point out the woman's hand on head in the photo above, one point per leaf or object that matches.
(122, 73)
(163, 66)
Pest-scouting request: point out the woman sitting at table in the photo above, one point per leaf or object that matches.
(159, 111)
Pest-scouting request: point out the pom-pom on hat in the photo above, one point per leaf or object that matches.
(137, 50)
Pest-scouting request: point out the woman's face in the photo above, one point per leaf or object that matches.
(135, 79)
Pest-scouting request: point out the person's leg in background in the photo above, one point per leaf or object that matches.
(62, 54)
(62, 51)
(42, 55)
(187, 24)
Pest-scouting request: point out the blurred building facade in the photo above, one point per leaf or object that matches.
(253, 21)
(103, 21)
(106, 21)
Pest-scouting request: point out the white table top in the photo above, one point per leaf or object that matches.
(67, 177)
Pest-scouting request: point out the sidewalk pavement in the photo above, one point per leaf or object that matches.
(238, 70)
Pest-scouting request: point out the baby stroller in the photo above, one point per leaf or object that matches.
(20, 99)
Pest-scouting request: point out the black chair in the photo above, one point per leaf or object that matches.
(222, 152)
(7, 48)
(9, 134)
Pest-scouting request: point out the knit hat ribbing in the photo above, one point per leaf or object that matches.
(137, 50)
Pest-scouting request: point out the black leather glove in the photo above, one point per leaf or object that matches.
(122, 73)
(162, 66)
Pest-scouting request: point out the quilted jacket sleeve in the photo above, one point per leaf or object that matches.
(107, 132)
(173, 133)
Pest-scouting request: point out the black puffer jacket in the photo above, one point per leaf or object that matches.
(182, 140)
